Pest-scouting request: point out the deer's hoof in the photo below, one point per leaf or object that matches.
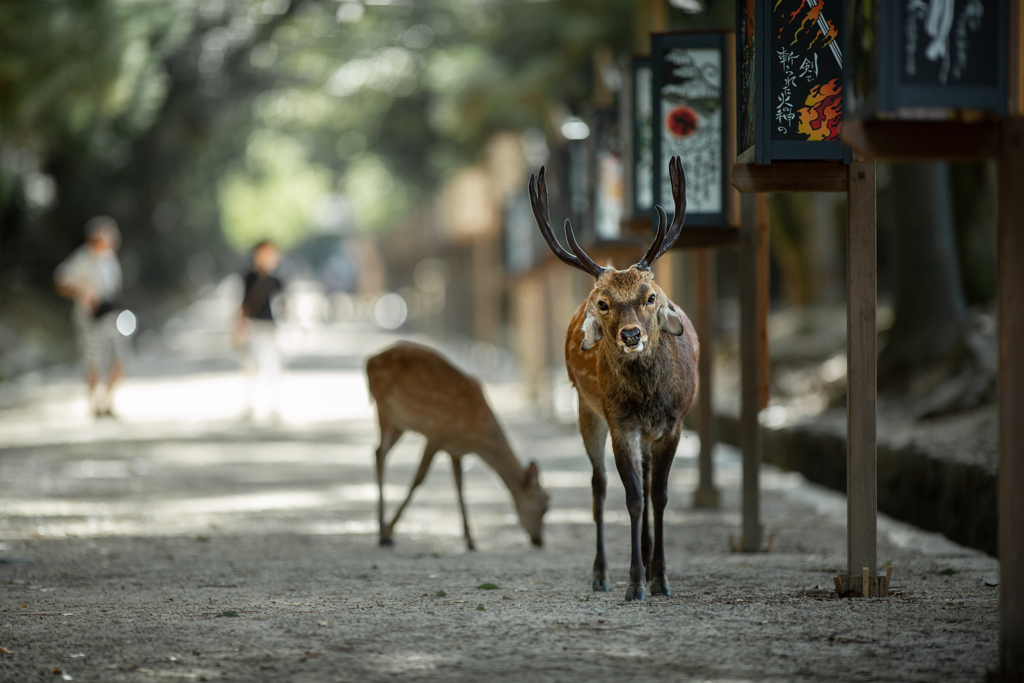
(601, 585)
(387, 542)
(636, 592)
(660, 587)
(470, 546)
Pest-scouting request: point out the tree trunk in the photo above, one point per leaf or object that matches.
(974, 203)
(928, 298)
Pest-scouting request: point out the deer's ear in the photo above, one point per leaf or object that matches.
(669, 321)
(531, 473)
(591, 332)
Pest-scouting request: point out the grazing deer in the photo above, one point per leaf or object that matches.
(416, 389)
(632, 355)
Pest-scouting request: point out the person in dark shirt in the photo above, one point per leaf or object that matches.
(257, 331)
(260, 283)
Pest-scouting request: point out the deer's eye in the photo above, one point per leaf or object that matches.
(650, 299)
(602, 305)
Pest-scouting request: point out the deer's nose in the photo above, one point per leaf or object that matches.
(630, 336)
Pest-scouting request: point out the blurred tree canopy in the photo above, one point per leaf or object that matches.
(202, 125)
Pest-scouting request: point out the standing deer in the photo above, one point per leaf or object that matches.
(632, 355)
(416, 389)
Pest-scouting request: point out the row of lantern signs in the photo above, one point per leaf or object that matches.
(795, 68)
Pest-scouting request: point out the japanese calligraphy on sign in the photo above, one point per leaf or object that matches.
(807, 70)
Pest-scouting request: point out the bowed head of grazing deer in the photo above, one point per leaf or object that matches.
(632, 355)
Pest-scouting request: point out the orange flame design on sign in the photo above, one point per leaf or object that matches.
(821, 117)
(810, 17)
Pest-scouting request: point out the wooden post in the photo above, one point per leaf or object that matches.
(1011, 401)
(750, 392)
(486, 261)
(861, 360)
(1010, 244)
(764, 289)
(706, 495)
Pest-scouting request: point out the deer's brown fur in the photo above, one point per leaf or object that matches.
(631, 354)
(416, 389)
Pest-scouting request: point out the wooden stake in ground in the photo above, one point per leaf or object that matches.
(706, 495)
(861, 359)
(750, 357)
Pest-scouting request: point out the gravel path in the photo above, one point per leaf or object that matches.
(225, 551)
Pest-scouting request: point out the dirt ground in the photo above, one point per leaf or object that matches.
(165, 547)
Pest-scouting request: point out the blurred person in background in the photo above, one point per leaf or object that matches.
(91, 278)
(256, 329)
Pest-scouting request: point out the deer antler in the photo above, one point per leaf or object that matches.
(540, 212)
(660, 246)
(656, 248)
(678, 179)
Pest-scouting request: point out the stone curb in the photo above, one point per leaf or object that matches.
(958, 500)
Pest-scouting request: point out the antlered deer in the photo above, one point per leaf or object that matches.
(416, 389)
(632, 355)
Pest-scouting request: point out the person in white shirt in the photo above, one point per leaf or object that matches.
(91, 278)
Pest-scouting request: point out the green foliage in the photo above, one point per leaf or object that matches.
(153, 112)
(273, 195)
(89, 70)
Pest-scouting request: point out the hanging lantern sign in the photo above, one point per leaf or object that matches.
(691, 107)
(792, 67)
(609, 179)
(921, 59)
(643, 138)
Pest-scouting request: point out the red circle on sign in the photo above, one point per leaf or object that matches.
(682, 121)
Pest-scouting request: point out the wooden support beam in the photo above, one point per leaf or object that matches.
(750, 428)
(706, 495)
(861, 483)
(639, 231)
(764, 290)
(923, 140)
(708, 238)
(790, 176)
(1011, 400)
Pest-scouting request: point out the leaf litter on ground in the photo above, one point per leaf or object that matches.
(487, 587)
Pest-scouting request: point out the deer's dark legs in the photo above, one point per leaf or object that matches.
(421, 474)
(629, 462)
(389, 434)
(457, 472)
(595, 431)
(646, 545)
(661, 464)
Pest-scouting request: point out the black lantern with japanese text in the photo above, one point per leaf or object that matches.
(919, 60)
(691, 114)
(792, 70)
